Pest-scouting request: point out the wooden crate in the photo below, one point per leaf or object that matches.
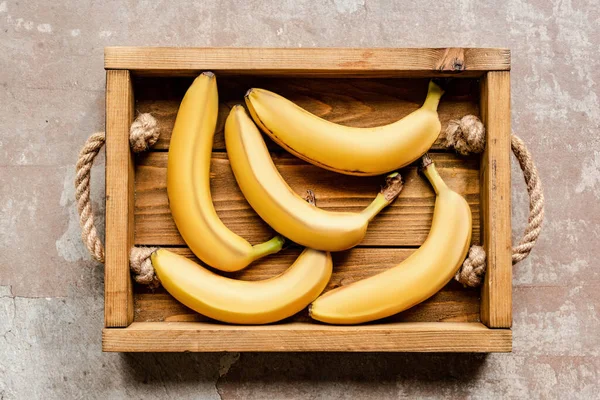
(357, 87)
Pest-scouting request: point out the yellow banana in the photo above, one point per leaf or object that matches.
(280, 206)
(347, 150)
(188, 184)
(243, 302)
(414, 280)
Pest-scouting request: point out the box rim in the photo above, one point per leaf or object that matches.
(109, 333)
(298, 336)
(323, 61)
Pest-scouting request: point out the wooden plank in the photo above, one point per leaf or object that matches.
(118, 298)
(396, 337)
(391, 62)
(352, 102)
(453, 303)
(496, 299)
(406, 222)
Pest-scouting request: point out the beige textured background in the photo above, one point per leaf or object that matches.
(52, 97)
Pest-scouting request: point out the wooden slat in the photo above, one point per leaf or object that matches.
(405, 222)
(118, 298)
(308, 62)
(352, 102)
(453, 303)
(496, 299)
(404, 337)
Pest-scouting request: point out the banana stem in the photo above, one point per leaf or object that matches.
(269, 247)
(391, 190)
(375, 207)
(434, 94)
(432, 175)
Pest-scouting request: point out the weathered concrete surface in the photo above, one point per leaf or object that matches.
(51, 97)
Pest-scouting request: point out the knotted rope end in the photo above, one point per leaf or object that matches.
(141, 266)
(466, 135)
(473, 269)
(144, 132)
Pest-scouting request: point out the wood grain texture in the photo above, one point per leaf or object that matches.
(496, 298)
(406, 222)
(352, 102)
(446, 322)
(118, 298)
(452, 60)
(391, 62)
(453, 303)
(402, 336)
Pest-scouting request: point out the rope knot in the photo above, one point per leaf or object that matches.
(143, 133)
(466, 135)
(473, 269)
(141, 265)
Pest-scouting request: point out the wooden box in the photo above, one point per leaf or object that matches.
(358, 87)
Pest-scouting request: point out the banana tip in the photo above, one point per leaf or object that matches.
(208, 73)
(248, 92)
(393, 186)
(426, 161)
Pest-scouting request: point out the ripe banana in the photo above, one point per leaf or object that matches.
(188, 184)
(243, 302)
(280, 206)
(347, 150)
(414, 280)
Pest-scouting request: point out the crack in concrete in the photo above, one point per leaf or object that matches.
(218, 390)
(227, 361)
(14, 313)
(12, 295)
(35, 297)
(6, 333)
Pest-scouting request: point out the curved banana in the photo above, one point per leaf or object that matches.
(244, 302)
(280, 206)
(344, 149)
(414, 280)
(188, 184)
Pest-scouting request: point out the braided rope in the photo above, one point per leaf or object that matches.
(143, 134)
(467, 136)
(82, 193)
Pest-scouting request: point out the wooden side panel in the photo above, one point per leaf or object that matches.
(347, 62)
(496, 297)
(404, 336)
(406, 222)
(118, 297)
(453, 303)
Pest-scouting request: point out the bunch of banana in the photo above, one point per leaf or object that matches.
(188, 184)
(418, 277)
(367, 151)
(347, 150)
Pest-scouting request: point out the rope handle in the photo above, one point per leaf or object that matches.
(143, 134)
(466, 136)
